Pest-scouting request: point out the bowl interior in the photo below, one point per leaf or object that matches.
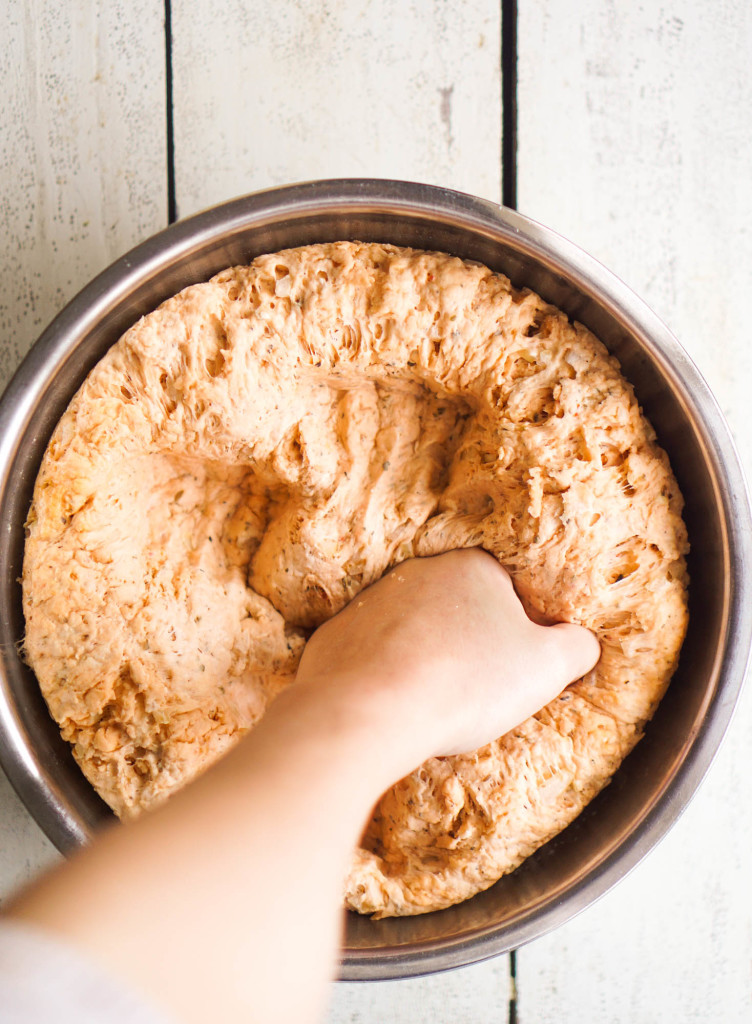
(627, 818)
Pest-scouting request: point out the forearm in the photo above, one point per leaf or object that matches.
(216, 901)
(210, 904)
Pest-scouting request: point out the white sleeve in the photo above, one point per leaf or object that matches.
(43, 980)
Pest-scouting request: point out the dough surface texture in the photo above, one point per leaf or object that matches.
(253, 453)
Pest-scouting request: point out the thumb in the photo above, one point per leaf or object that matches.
(573, 650)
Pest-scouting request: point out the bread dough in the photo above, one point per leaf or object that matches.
(261, 447)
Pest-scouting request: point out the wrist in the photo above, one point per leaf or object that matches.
(362, 720)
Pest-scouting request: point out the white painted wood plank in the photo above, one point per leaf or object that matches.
(82, 165)
(471, 995)
(634, 141)
(82, 179)
(275, 93)
(24, 849)
(400, 89)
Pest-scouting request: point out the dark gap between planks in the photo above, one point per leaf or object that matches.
(509, 198)
(513, 1018)
(172, 206)
(509, 102)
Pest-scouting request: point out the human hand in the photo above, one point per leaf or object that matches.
(442, 652)
(437, 658)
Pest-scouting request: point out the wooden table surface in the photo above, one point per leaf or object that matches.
(625, 126)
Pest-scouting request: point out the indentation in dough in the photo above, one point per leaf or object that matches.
(397, 444)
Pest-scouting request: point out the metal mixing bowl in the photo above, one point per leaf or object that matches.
(657, 780)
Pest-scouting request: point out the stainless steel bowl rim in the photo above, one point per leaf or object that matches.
(562, 257)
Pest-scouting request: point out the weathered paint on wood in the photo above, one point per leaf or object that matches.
(83, 158)
(634, 141)
(24, 849)
(82, 173)
(472, 995)
(275, 93)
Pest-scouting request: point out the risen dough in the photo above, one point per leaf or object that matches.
(261, 447)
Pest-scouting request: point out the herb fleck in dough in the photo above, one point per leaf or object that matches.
(253, 453)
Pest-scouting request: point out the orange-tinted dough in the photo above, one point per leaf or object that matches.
(261, 447)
